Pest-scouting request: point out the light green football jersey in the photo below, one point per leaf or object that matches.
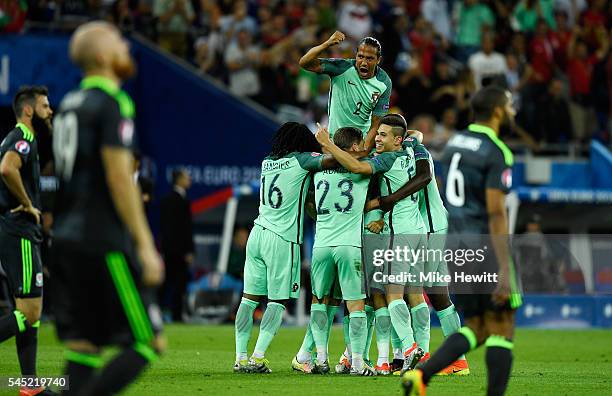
(353, 101)
(340, 198)
(284, 186)
(431, 206)
(397, 168)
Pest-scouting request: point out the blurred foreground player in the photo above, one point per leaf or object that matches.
(478, 177)
(103, 250)
(20, 231)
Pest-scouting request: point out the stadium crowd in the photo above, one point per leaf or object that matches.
(553, 54)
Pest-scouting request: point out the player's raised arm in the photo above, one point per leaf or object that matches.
(417, 183)
(311, 62)
(344, 158)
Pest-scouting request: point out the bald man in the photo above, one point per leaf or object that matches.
(103, 248)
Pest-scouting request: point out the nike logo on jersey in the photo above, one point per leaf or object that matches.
(352, 83)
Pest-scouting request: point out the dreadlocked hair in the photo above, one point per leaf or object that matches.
(293, 137)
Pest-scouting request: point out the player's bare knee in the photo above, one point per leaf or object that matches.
(31, 308)
(438, 297)
(355, 305)
(479, 329)
(379, 301)
(252, 297)
(500, 323)
(415, 299)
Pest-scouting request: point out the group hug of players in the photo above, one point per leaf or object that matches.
(374, 188)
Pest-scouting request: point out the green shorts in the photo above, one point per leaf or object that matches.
(272, 266)
(342, 263)
(435, 263)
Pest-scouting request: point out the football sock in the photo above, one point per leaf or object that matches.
(331, 315)
(358, 334)
(454, 346)
(80, 368)
(318, 326)
(347, 338)
(400, 320)
(11, 324)
(244, 324)
(449, 321)
(271, 321)
(304, 354)
(370, 316)
(499, 364)
(396, 344)
(383, 329)
(420, 325)
(120, 371)
(27, 343)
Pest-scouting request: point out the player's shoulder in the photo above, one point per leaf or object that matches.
(382, 76)
(91, 99)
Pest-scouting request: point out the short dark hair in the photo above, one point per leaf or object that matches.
(372, 42)
(177, 173)
(26, 95)
(397, 121)
(293, 137)
(485, 101)
(345, 137)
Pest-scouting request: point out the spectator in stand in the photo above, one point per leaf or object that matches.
(426, 124)
(354, 18)
(560, 38)
(554, 120)
(445, 128)
(12, 15)
(528, 12)
(327, 16)
(422, 42)
(174, 20)
(541, 55)
(242, 59)
(442, 88)
(238, 21)
(413, 87)
(274, 30)
(122, 16)
(437, 13)
(572, 8)
(472, 19)
(580, 72)
(177, 242)
(516, 78)
(487, 64)
(592, 20)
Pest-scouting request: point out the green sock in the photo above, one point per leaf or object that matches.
(358, 335)
(420, 325)
(318, 326)
(308, 344)
(331, 315)
(396, 343)
(450, 322)
(244, 324)
(346, 333)
(271, 321)
(370, 316)
(400, 320)
(383, 329)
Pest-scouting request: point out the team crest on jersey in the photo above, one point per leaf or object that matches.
(375, 97)
(22, 147)
(295, 287)
(39, 279)
(506, 178)
(126, 131)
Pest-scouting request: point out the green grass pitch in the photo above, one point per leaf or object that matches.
(200, 358)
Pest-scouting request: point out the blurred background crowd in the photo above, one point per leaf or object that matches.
(552, 54)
